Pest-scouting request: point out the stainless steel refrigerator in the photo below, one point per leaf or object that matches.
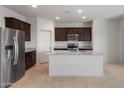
(12, 59)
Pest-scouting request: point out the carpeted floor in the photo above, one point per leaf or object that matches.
(37, 77)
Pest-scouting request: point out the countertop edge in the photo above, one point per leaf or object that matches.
(29, 49)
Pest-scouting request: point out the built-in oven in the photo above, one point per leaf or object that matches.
(72, 45)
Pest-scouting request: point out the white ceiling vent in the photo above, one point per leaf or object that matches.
(67, 12)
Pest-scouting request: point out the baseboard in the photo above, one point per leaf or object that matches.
(41, 63)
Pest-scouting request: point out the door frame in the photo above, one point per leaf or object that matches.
(38, 61)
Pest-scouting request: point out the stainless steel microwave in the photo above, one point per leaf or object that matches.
(72, 37)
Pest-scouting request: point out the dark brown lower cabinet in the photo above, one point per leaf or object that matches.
(30, 59)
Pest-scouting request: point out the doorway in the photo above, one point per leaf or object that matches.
(44, 45)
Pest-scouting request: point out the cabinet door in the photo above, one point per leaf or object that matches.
(30, 59)
(87, 34)
(21, 25)
(27, 60)
(33, 57)
(60, 34)
(27, 31)
(84, 34)
(14, 23)
(81, 34)
(17, 24)
(11, 23)
(72, 30)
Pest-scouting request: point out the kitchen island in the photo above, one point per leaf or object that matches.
(68, 63)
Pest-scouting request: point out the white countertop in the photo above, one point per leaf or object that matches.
(29, 49)
(80, 52)
(82, 47)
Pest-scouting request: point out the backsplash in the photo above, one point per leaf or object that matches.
(29, 44)
(63, 44)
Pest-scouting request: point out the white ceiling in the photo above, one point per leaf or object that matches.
(51, 11)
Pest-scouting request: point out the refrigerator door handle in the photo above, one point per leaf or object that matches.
(16, 51)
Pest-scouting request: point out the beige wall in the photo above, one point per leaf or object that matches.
(105, 38)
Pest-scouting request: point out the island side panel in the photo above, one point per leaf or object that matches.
(76, 65)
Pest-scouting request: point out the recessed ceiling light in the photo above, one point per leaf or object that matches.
(83, 17)
(57, 18)
(34, 6)
(79, 11)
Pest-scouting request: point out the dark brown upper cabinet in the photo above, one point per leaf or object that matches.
(27, 31)
(60, 34)
(74, 30)
(84, 33)
(87, 34)
(71, 31)
(14, 23)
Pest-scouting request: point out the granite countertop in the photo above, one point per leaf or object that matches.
(80, 48)
(29, 49)
(75, 53)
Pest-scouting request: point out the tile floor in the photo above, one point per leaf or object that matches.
(37, 77)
